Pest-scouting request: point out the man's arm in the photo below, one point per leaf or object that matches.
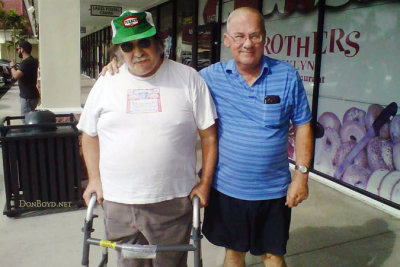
(16, 74)
(91, 153)
(209, 154)
(304, 143)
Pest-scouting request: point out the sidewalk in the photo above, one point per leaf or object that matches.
(328, 229)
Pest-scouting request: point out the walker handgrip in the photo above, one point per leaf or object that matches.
(196, 212)
(92, 203)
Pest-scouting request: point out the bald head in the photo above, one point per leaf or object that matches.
(246, 11)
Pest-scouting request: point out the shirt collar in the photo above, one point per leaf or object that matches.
(231, 66)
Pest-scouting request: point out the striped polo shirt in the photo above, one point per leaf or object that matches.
(253, 127)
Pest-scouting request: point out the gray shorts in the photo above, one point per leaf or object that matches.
(163, 223)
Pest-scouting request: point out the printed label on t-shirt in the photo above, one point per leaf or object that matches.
(143, 101)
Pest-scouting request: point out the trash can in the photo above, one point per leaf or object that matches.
(41, 165)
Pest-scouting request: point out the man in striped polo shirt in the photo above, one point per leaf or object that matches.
(253, 192)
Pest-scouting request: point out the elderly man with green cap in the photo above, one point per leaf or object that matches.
(139, 142)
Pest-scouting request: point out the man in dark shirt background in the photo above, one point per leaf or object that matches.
(26, 74)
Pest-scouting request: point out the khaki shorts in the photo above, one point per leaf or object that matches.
(163, 223)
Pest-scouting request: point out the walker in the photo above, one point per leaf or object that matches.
(139, 251)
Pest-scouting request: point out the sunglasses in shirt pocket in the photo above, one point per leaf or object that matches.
(272, 111)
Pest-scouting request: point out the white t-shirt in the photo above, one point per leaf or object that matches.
(147, 130)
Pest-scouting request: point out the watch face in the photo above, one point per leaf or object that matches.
(302, 169)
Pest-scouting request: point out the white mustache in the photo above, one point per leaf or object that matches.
(140, 59)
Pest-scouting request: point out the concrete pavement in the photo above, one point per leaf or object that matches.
(328, 229)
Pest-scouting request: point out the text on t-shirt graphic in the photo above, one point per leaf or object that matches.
(143, 101)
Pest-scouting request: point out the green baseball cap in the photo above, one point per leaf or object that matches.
(132, 25)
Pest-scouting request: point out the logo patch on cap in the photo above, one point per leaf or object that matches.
(130, 21)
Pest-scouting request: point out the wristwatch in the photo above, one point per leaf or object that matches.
(301, 168)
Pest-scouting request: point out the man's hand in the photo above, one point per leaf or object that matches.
(12, 63)
(94, 186)
(202, 190)
(112, 67)
(298, 189)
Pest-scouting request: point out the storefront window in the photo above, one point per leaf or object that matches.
(360, 66)
(184, 31)
(166, 13)
(207, 33)
(154, 15)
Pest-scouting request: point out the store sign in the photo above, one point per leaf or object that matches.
(299, 50)
(303, 6)
(105, 11)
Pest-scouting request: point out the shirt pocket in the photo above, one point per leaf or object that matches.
(272, 114)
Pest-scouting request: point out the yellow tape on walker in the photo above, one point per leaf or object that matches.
(107, 244)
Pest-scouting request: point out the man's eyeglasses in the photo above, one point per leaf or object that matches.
(255, 38)
(129, 46)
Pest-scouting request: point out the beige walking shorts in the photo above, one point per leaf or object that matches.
(162, 223)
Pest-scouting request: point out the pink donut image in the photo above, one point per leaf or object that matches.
(357, 176)
(375, 180)
(330, 120)
(325, 150)
(356, 115)
(396, 156)
(395, 129)
(290, 150)
(380, 153)
(352, 131)
(387, 183)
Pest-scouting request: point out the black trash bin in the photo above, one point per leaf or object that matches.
(41, 165)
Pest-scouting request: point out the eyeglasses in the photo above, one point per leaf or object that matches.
(129, 46)
(255, 38)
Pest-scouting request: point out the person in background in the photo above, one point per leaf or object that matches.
(139, 142)
(26, 75)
